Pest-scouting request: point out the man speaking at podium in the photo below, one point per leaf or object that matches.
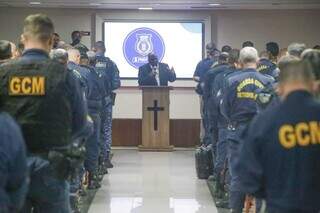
(155, 73)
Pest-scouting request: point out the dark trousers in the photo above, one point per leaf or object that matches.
(206, 123)
(47, 194)
(92, 145)
(237, 198)
(221, 151)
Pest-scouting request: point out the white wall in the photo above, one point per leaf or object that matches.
(224, 27)
(262, 26)
(65, 20)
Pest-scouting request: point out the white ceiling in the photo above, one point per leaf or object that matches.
(167, 4)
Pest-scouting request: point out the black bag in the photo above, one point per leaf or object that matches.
(204, 162)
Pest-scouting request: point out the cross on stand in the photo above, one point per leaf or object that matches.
(155, 110)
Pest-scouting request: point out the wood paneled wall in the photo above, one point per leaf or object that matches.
(183, 132)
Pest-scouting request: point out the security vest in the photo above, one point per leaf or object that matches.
(35, 94)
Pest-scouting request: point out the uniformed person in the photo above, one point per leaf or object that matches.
(46, 101)
(92, 145)
(199, 75)
(14, 177)
(76, 42)
(268, 65)
(79, 140)
(110, 73)
(94, 93)
(208, 100)
(279, 158)
(239, 106)
(221, 165)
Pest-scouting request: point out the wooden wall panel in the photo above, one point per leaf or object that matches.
(183, 132)
(126, 132)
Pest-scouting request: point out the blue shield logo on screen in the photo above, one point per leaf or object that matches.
(139, 43)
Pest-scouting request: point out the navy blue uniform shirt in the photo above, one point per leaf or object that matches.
(79, 110)
(203, 67)
(209, 79)
(13, 164)
(201, 70)
(218, 85)
(279, 159)
(239, 96)
(267, 67)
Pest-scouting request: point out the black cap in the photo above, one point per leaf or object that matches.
(5, 50)
(273, 48)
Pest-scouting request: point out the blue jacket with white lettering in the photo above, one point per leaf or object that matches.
(239, 96)
(279, 158)
(267, 67)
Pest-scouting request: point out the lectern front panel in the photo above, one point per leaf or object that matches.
(155, 123)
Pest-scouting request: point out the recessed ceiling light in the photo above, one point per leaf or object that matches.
(145, 8)
(214, 4)
(95, 4)
(34, 3)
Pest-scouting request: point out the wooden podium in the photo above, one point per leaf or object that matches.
(155, 119)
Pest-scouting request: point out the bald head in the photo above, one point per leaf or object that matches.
(74, 55)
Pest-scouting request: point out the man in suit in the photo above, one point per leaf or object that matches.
(155, 73)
